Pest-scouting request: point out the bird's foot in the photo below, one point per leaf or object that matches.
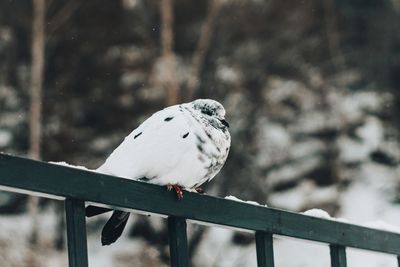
(199, 190)
(178, 190)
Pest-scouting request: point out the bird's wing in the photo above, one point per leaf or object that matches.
(154, 148)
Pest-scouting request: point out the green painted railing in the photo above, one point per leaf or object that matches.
(77, 186)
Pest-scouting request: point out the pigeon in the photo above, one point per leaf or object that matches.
(180, 147)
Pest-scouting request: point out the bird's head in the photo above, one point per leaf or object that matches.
(211, 110)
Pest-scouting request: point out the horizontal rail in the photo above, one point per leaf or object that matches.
(73, 183)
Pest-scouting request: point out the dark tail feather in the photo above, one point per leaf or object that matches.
(114, 227)
(93, 210)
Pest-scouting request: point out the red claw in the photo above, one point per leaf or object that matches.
(178, 190)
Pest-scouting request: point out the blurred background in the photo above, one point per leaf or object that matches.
(311, 90)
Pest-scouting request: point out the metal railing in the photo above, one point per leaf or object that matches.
(77, 186)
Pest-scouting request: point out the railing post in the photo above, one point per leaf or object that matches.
(265, 249)
(338, 256)
(398, 261)
(178, 242)
(76, 233)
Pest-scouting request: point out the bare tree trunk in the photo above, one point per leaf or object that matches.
(38, 35)
(202, 48)
(167, 44)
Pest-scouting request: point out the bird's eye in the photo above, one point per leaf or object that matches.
(206, 111)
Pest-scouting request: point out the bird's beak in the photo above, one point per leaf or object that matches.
(224, 122)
